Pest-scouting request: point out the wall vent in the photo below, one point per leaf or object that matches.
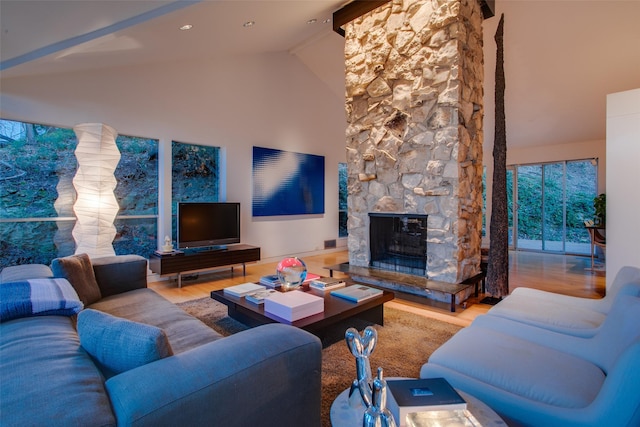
(328, 244)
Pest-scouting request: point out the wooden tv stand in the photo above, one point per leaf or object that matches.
(189, 262)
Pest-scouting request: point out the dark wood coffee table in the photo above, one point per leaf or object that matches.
(335, 310)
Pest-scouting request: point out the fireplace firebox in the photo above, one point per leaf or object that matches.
(398, 242)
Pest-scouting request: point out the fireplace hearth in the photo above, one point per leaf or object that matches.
(398, 242)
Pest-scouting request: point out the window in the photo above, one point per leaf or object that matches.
(342, 200)
(137, 195)
(553, 201)
(37, 166)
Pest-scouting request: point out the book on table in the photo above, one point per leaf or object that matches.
(293, 305)
(259, 297)
(243, 289)
(357, 293)
(327, 283)
(270, 281)
(420, 395)
(310, 277)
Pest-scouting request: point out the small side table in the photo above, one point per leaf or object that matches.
(343, 415)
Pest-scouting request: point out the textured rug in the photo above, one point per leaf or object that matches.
(405, 342)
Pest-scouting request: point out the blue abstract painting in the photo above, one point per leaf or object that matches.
(286, 183)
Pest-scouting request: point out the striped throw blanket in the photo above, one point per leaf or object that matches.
(38, 297)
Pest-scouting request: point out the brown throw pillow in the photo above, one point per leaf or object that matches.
(77, 269)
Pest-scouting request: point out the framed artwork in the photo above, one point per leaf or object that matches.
(287, 183)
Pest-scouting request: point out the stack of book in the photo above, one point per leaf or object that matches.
(326, 283)
(293, 305)
(243, 290)
(410, 396)
(270, 281)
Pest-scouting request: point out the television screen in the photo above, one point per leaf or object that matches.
(208, 224)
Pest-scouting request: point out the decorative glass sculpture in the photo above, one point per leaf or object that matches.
(291, 273)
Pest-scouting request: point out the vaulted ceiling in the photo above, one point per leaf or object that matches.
(561, 57)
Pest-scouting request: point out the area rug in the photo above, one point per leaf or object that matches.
(405, 342)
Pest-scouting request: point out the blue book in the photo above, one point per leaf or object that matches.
(357, 293)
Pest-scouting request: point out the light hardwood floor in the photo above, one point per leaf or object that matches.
(550, 272)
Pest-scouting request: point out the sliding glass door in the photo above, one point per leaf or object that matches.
(552, 202)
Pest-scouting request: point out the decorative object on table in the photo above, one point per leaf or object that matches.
(168, 246)
(377, 415)
(361, 346)
(459, 418)
(294, 305)
(291, 273)
(419, 395)
(96, 205)
(243, 289)
(327, 283)
(357, 293)
(259, 297)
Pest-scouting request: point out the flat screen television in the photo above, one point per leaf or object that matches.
(203, 225)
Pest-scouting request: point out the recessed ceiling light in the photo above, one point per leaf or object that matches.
(249, 24)
(186, 27)
(326, 21)
(312, 21)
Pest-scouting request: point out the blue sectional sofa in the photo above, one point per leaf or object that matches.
(130, 357)
(534, 370)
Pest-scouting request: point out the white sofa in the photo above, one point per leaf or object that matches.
(532, 375)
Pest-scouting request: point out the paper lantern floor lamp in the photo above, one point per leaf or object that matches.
(96, 206)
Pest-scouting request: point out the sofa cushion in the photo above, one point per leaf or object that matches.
(47, 378)
(120, 273)
(78, 271)
(120, 344)
(533, 371)
(15, 273)
(539, 310)
(38, 297)
(146, 306)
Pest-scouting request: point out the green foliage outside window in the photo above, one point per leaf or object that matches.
(342, 200)
(553, 202)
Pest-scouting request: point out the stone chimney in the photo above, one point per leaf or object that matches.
(414, 87)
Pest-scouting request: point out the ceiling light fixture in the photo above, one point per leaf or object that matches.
(186, 27)
(312, 21)
(326, 21)
(249, 24)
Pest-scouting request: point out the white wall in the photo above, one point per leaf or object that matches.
(623, 178)
(271, 100)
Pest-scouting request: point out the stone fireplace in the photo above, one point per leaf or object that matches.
(398, 242)
(414, 74)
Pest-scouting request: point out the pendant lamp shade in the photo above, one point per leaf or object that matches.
(96, 206)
